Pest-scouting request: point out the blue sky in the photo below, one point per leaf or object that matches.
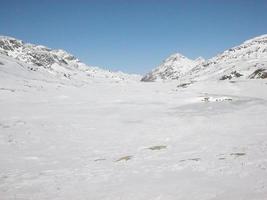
(134, 35)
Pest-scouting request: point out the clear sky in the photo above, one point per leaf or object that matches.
(134, 35)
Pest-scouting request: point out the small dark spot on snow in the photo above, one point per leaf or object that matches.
(195, 159)
(7, 89)
(226, 99)
(4, 126)
(190, 159)
(4, 177)
(205, 99)
(159, 147)
(238, 154)
(99, 159)
(183, 85)
(125, 158)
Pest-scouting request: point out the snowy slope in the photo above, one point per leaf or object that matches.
(57, 62)
(249, 60)
(129, 140)
(63, 139)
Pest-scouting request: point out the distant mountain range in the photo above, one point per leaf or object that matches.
(55, 61)
(247, 61)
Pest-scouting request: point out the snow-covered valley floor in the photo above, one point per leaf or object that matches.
(133, 140)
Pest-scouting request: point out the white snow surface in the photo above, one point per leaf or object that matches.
(103, 139)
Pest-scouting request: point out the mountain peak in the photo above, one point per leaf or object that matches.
(175, 66)
(200, 59)
(175, 57)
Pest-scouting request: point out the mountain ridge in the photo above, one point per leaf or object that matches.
(237, 62)
(55, 61)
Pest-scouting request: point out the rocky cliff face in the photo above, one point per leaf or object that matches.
(35, 54)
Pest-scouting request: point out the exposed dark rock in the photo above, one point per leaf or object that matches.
(99, 159)
(238, 154)
(259, 74)
(159, 147)
(124, 158)
(148, 78)
(233, 74)
(224, 77)
(184, 85)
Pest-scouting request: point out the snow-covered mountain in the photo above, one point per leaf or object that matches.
(173, 67)
(55, 61)
(249, 60)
